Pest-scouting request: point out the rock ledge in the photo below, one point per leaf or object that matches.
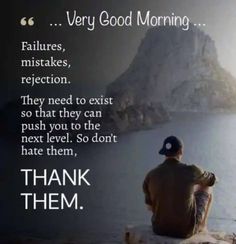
(143, 234)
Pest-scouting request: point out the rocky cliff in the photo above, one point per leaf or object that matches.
(173, 70)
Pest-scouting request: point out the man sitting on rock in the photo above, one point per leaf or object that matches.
(178, 195)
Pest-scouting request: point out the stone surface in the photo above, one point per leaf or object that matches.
(143, 234)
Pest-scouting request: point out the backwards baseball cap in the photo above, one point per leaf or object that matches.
(171, 146)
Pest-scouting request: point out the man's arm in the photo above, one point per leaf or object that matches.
(202, 177)
(147, 194)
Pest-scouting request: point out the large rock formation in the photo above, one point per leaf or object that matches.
(175, 69)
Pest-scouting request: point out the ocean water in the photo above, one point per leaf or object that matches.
(115, 198)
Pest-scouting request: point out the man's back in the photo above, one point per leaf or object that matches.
(169, 191)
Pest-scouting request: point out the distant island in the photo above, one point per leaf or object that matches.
(172, 71)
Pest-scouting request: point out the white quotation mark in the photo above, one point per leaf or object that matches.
(25, 22)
